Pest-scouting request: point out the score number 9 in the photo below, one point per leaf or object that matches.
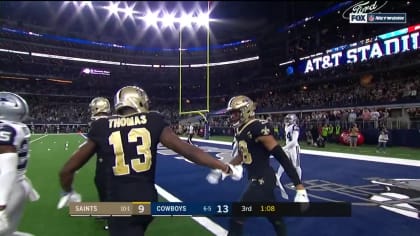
(140, 209)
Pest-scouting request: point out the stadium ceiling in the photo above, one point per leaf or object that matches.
(154, 24)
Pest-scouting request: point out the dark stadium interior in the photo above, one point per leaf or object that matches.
(264, 23)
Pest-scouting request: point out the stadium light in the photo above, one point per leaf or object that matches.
(168, 20)
(129, 11)
(203, 20)
(113, 8)
(151, 18)
(186, 20)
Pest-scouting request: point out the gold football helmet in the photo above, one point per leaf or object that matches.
(241, 109)
(133, 97)
(99, 105)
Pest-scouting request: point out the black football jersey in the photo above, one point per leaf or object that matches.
(255, 155)
(127, 145)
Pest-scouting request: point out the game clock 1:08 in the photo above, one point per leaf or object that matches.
(267, 209)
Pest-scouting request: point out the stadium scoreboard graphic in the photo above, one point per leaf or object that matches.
(378, 18)
(120, 209)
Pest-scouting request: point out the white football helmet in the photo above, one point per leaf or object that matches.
(245, 106)
(290, 119)
(133, 97)
(99, 105)
(13, 107)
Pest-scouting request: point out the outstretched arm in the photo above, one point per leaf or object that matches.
(191, 152)
(271, 144)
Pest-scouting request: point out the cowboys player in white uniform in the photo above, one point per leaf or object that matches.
(15, 188)
(292, 148)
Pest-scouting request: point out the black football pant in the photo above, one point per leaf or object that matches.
(259, 190)
(131, 192)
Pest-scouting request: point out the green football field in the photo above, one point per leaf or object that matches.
(48, 156)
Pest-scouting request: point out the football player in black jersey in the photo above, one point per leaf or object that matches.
(256, 143)
(127, 143)
(100, 107)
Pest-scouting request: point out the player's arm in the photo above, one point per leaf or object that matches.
(294, 141)
(8, 171)
(271, 144)
(237, 160)
(192, 153)
(76, 161)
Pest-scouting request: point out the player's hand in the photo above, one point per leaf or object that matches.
(234, 171)
(214, 176)
(302, 198)
(67, 197)
(4, 223)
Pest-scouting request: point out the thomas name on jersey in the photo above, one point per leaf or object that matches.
(127, 121)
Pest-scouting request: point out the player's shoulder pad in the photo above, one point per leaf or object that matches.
(102, 121)
(261, 128)
(295, 128)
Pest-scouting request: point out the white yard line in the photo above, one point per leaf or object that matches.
(38, 138)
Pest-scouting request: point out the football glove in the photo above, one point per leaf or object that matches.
(67, 197)
(214, 176)
(4, 223)
(235, 172)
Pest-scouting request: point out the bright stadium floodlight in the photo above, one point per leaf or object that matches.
(186, 20)
(168, 20)
(113, 8)
(202, 20)
(151, 18)
(129, 11)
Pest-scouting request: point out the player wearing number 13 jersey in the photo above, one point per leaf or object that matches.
(256, 143)
(127, 143)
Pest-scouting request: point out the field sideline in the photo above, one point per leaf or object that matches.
(47, 157)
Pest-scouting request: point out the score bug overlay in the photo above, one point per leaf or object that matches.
(211, 209)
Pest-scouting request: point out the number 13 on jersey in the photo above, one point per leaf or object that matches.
(137, 164)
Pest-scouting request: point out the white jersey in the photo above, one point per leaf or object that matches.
(16, 134)
(191, 129)
(292, 136)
